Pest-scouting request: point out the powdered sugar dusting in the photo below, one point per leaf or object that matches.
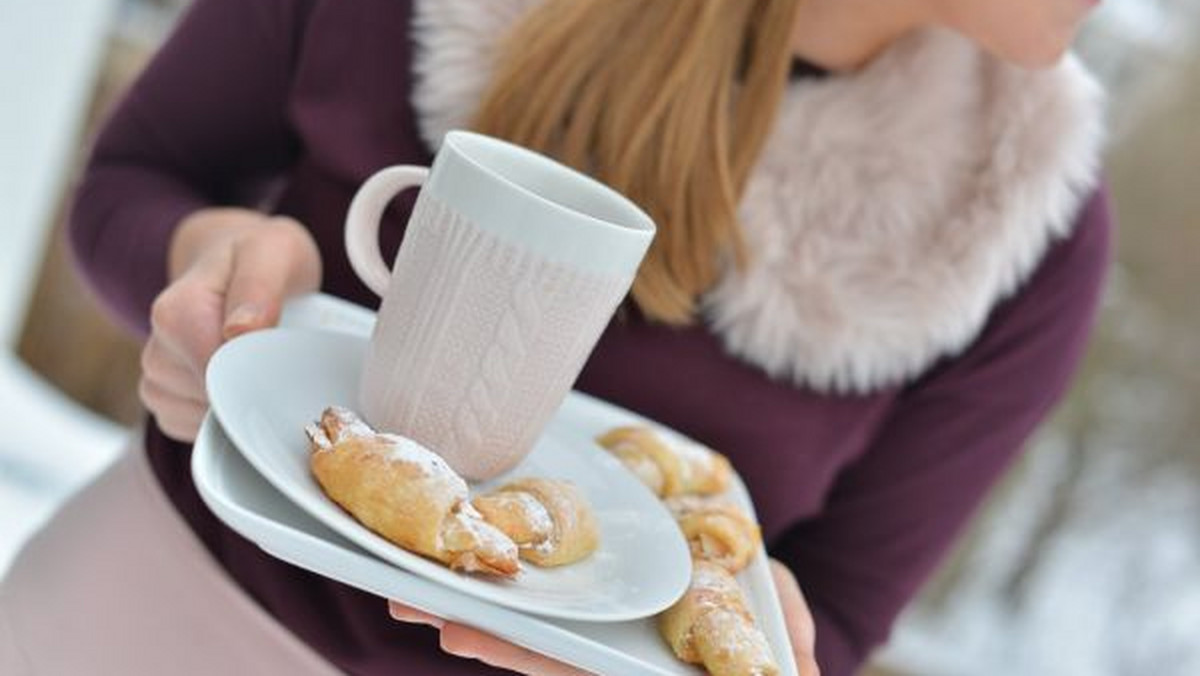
(340, 424)
(538, 519)
(713, 578)
(725, 623)
(348, 425)
(402, 449)
(733, 635)
(644, 468)
(467, 509)
(681, 505)
(484, 537)
(625, 446)
(318, 436)
(692, 452)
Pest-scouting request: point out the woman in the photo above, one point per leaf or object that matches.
(881, 242)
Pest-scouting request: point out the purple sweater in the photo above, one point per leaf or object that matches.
(290, 104)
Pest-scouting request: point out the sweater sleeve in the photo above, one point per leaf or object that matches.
(893, 513)
(204, 124)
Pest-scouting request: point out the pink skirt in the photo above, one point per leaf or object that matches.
(117, 584)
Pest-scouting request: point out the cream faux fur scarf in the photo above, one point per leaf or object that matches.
(891, 210)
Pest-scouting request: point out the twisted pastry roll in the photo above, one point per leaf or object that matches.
(711, 626)
(550, 521)
(668, 463)
(406, 493)
(716, 530)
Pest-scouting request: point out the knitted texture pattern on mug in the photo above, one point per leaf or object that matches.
(484, 340)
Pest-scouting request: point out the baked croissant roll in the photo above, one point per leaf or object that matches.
(711, 626)
(668, 463)
(550, 520)
(406, 493)
(716, 530)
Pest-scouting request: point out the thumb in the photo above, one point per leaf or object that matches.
(266, 270)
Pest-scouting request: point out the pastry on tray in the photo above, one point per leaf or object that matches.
(550, 520)
(405, 493)
(712, 626)
(667, 463)
(716, 530)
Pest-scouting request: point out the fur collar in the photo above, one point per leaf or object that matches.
(891, 209)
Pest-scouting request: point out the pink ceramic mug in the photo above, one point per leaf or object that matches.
(511, 267)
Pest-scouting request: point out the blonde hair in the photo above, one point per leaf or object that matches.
(667, 101)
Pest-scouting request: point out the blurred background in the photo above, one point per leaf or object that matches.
(1086, 560)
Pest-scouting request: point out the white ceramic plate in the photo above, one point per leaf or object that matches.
(266, 386)
(241, 498)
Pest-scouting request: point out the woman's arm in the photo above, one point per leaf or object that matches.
(205, 124)
(893, 513)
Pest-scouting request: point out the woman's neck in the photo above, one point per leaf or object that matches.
(845, 35)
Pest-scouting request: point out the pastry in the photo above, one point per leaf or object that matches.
(716, 530)
(711, 626)
(406, 493)
(550, 520)
(668, 463)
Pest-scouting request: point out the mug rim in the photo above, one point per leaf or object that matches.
(642, 222)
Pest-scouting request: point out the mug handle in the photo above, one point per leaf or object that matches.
(362, 222)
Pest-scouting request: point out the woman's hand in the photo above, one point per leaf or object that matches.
(464, 641)
(798, 618)
(230, 271)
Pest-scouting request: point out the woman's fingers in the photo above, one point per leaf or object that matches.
(186, 317)
(405, 613)
(231, 270)
(280, 261)
(256, 290)
(161, 400)
(464, 641)
(170, 372)
(471, 643)
(177, 417)
(171, 390)
(795, 608)
(799, 619)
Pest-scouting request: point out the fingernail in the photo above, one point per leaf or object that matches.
(419, 618)
(242, 316)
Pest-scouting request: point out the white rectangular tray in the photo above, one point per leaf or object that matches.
(242, 499)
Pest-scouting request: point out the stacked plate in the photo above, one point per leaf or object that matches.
(250, 464)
